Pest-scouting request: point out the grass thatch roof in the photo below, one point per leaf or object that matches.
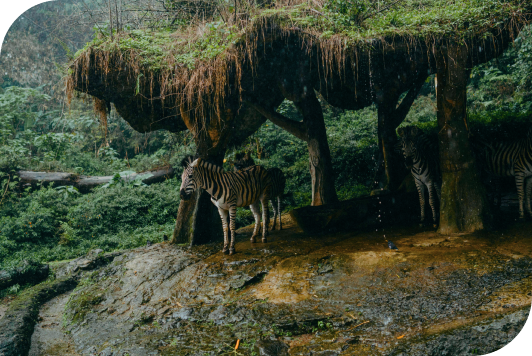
(201, 66)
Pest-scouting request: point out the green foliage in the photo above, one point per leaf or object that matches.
(50, 225)
(20, 109)
(347, 12)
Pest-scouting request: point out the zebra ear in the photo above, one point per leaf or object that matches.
(401, 131)
(195, 163)
(185, 162)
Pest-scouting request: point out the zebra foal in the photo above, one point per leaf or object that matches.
(419, 153)
(278, 181)
(228, 191)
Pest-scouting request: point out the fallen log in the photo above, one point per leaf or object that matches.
(86, 183)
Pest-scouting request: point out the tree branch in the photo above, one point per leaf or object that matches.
(401, 111)
(296, 128)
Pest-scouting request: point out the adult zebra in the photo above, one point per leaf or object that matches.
(420, 153)
(228, 191)
(510, 159)
(278, 184)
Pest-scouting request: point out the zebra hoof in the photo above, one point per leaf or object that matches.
(225, 251)
(252, 239)
(232, 251)
(264, 240)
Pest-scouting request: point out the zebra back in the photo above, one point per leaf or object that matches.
(277, 176)
(278, 182)
(241, 188)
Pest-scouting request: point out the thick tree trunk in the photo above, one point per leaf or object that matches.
(321, 170)
(198, 220)
(464, 205)
(311, 130)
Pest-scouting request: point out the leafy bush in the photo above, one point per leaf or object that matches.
(108, 211)
(51, 225)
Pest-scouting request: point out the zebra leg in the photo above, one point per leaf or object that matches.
(528, 195)
(274, 215)
(432, 204)
(520, 183)
(223, 214)
(279, 211)
(421, 191)
(232, 226)
(256, 214)
(265, 218)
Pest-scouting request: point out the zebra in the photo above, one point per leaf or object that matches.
(278, 184)
(419, 153)
(511, 159)
(228, 191)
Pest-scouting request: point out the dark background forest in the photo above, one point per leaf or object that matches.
(41, 131)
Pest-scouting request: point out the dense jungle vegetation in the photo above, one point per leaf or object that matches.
(40, 132)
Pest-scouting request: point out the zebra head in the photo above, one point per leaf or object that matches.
(243, 161)
(407, 142)
(189, 181)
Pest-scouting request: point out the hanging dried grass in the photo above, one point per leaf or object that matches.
(201, 92)
(100, 109)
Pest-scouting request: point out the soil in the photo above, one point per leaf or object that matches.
(333, 294)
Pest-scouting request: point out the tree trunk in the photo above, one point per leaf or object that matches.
(198, 220)
(392, 172)
(464, 205)
(321, 171)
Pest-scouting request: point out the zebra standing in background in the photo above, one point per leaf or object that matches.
(511, 159)
(278, 184)
(228, 191)
(420, 154)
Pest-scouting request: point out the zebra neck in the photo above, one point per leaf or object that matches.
(211, 176)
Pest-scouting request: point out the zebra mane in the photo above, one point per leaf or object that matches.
(186, 161)
(209, 165)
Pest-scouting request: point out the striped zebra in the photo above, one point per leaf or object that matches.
(419, 153)
(228, 191)
(510, 159)
(278, 184)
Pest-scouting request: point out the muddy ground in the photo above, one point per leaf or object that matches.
(337, 294)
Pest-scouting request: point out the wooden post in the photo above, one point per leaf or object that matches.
(464, 205)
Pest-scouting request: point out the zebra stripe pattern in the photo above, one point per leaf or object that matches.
(278, 181)
(228, 191)
(511, 159)
(419, 153)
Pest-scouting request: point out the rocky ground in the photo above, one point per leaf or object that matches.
(339, 294)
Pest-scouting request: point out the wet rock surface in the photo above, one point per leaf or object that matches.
(341, 294)
(48, 337)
